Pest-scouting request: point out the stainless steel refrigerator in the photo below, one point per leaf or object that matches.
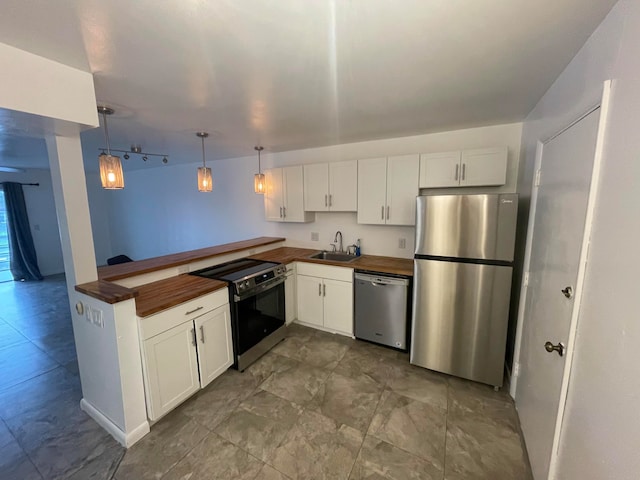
(462, 284)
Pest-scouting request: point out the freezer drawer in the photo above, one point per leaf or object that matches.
(381, 309)
(460, 315)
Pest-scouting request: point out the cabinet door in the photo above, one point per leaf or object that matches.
(309, 300)
(440, 169)
(215, 350)
(343, 186)
(402, 189)
(273, 195)
(338, 306)
(294, 195)
(171, 368)
(316, 187)
(372, 190)
(290, 294)
(485, 166)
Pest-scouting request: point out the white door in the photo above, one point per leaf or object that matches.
(440, 169)
(294, 194)
(372, 190)
(172, 368)
(343, 186)
(316, 187)
(402, 189)
(273, 195)
(338, 306)
(484, 166)
(215, 350)
(558, 230)
(309, 300)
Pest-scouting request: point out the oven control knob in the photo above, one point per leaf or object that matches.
(246, 284)
(240, 286)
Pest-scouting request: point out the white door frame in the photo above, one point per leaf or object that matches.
(604, 105)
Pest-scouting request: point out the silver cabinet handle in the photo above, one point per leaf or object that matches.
(387, 212)
(193, 311)
(284, 212)
(324, 290)
(281, 214)
(319, 289)
(326, 204)
(382, 213)
(193, 337)
(457, 170)
(330, 200)
(464, 168)
(202, 333)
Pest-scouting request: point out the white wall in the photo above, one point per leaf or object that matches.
(100, 221)
(600, 432)
(160, 210)
(42, 218)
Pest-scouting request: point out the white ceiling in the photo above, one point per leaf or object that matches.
(292, 74)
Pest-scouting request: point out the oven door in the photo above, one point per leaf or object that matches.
(257, 316)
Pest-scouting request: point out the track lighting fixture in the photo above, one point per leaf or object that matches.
(258, 178)
(205, 182)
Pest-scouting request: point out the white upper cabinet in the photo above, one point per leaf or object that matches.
(284, 195)
(484, 166)
(467, 168)
(331, 187)
(387, 190)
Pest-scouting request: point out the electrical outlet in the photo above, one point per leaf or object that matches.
(402, 243)
(315, 236)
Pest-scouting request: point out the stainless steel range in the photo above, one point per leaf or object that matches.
(256, 297)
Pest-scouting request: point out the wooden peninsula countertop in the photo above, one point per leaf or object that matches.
(131, 269)
(371, 263)
(103, 289)
(157, 296)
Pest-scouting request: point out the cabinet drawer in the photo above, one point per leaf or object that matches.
(325, 271)
(163, 321)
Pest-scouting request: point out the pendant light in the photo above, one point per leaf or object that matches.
(205, 183)
(110, 165)
(258, 178)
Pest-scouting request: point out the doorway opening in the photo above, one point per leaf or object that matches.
(5, 273)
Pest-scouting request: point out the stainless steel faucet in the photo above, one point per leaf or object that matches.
(336, 240)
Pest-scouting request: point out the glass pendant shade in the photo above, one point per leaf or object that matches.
(259, 182)
(111, 172)
(205, 182)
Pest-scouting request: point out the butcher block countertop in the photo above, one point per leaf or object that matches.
(131, 269)
(372, 263)
(157, 296)
(106, 291)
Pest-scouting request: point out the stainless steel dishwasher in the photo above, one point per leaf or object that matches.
(381, 309)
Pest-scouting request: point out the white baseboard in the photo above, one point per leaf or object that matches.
(124, 439)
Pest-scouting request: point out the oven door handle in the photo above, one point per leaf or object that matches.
(260, 288)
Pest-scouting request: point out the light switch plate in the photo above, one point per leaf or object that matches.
(402, 243)
(315, 236)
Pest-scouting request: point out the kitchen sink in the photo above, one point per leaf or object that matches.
(333, 256)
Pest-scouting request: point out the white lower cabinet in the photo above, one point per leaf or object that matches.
(187, 356)
(325, 297)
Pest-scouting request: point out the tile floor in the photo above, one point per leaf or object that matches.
(318, 406)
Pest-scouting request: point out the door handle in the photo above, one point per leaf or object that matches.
(464, 169)
(193, 311)
(567, 291)
(319, 289)
(457, 171)
(193, 337)
(550, 347)
(202, 333)
(388, 212)
(284, 212)
(324, 290)
(330, 199)
(382, 213)
(280, 212)
(326, 204)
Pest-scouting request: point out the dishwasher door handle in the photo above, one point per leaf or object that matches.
(376, 284)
